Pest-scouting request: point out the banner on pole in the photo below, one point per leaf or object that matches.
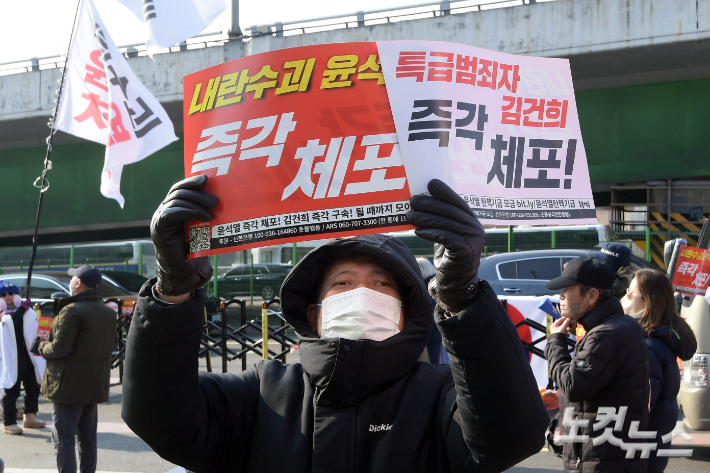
(692, 271)
(303, 143)
(103, 101)
(169, 22)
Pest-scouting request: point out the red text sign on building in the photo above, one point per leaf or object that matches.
(692, 271)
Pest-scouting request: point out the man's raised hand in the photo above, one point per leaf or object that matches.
(176, 274)
(445, 219)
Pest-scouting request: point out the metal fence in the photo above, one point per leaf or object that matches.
(250, 336)
(130, 256)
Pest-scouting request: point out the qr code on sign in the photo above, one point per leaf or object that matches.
(199, 239)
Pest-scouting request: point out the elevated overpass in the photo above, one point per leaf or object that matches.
(640, 70)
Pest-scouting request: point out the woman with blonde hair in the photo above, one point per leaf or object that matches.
(650, 299)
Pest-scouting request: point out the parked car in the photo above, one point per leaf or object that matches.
(694, 395)
(524, 273)
(267, 280)
(46, 283)
(131, 282)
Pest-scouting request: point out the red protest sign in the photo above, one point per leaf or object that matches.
(44, 326)
(692, 271)
(298, 144)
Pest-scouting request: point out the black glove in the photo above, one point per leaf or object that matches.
(176, 274)
(34, 348)
(445, 219)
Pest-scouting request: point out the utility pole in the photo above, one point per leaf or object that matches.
(234, 30)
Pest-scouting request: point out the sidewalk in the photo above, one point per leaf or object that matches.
(120, 450)
(34, 470)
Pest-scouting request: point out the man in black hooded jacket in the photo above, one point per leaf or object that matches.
(351, 404)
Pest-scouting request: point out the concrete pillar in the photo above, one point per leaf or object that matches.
(445, 7)
(360, 18)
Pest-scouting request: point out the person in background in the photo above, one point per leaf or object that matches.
(618, 257)
(435, 348)
(608, 368)
(77, 378)
(650, 300)
(20, 368)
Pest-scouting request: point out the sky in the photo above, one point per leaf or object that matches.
(40, 28)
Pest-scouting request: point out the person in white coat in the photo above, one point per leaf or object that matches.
(18, 329)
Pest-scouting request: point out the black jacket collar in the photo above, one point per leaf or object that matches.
(599, 314)
(344, 371)
(90, 295)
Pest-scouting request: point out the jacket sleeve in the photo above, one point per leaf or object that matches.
(193, 419)
(656, 369)
(497, 418)
(62, 337)
(592, 369)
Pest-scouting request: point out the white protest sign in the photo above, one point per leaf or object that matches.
(500, 129)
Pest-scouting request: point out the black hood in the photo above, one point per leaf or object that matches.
(682, 347)
(346, 371)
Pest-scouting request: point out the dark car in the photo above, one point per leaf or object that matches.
(131, 282)
(524, 273)
(46, 283)
(267, 280)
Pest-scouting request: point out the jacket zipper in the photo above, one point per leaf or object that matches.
(579, 457)
(354, 463)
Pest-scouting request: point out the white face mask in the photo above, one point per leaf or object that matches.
(360, 314)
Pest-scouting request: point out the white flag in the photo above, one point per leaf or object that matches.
(169, 22)
(103, 101)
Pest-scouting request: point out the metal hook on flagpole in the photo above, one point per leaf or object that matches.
(44, 186)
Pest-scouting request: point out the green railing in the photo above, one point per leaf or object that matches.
(118, 257)
(517, 240)
(524, 239)
(655, 240)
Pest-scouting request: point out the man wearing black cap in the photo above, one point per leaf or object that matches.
(618, 257)
(78, 355)
(607, 370)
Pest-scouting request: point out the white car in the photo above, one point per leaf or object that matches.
(694, 395)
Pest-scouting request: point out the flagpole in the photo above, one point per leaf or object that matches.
(44, 183)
